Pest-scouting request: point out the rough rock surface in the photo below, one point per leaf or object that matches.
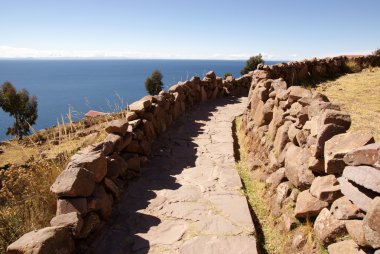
(326, 188)
(308, 206)
(191, 186)
(371, 224)
(344, 209)
(365, 176)
(327, 228)
(355, 230)
(360, 197)
(365, 155)
(346, 247)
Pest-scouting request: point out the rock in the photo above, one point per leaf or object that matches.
(336, 117)
(317, 107)
(112, 187)
(44, 241)
(365, 176)
(371, 224)
(317, 165)
(338, 146)
(299, 240)
(296, 167)
(116, 166)
(355, 230)
(346, 247)
(276, 177)
(292, 133)
(308, 206)
(74, 182)
(325, 133)
(101, 201)
(282, 191)
(134, 124)
(69, 205)
(298, 92)
(91, 223)
(326, 188)
(357, 194)
(344, 209)
(70, 220)
(365, 155)
(281, 138)
(277, 121)
(327, 229)
(288, 222)
(279, 84)
(211, 75)
(93, 161)
(119, 127)
(140, 106)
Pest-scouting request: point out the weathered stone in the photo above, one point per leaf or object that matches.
(299, 240)
(359, 196)
(282, 191)
(264, 113)
(327, 229)
(276, 177)
(281, 138)
(70, 205)
(346, 247)
(365, 176)
(101, 201)
(92, 161)
(277, 121)
(70, 220)
(301, 138)
(298, 92)
(116, 166)
(355, 230)
(371, 224)
(292, 133)
(336, 117)
(296, 167)
(317, 107)
(141, 105)
(112, 187)
(44, 241)
(325, 133)
(338, 146)
(312, 125)
(74, 182)
(90, 224)
(279, 84)
(134, 124)
(317, 165)
(344, 209)
(308, 206)
(326, 188)
(365, 155)
(119, 127)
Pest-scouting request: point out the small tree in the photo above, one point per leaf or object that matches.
(153, 84)
(227, 74)
(20, 106)
(252, 63)
(376, 52)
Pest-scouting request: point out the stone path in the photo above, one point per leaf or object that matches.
(189, 199)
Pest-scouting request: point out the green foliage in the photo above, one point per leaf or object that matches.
(153, 84)
(20, 106)
(227, 74)
(252, 63)
(376, 52)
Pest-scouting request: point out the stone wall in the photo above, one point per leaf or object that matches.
(96, 176)
(308, 158)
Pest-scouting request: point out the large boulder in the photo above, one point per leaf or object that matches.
(297, 168)
(371, 224)
(74, 182)
(308, 206)
(44, 241)
(93, 161)
(325, 133)
(327, 229)
(298, 92)
(338, 146)
(326, 188)
(73, 221)
(335, 117)
(357, 194)
(141, 105)
(365, 176)
(365, 155)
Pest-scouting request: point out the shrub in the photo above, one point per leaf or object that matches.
(19, 105)
(227, 74)
(252, 64)
(353, 66)
(153, 84)
(376, 52)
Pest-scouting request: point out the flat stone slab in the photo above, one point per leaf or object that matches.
(189, 198)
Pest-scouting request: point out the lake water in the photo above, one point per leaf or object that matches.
(103, 85)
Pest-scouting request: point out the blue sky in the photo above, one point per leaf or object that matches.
(194, 29)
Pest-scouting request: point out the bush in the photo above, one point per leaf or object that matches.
(376, 52)
(153, 84)
(20, 106)
(353, 66)
(252, 63)
(227, 74)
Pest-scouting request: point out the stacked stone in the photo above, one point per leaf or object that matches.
(310, 160)
(95, 177)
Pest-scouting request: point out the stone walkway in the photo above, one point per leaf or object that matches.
(189, 199)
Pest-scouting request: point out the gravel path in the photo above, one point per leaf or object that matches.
(189, 199)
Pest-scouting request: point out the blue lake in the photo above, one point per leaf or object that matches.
(103, 85)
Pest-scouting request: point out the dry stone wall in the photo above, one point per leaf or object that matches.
(96, 176)
(309, 158)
